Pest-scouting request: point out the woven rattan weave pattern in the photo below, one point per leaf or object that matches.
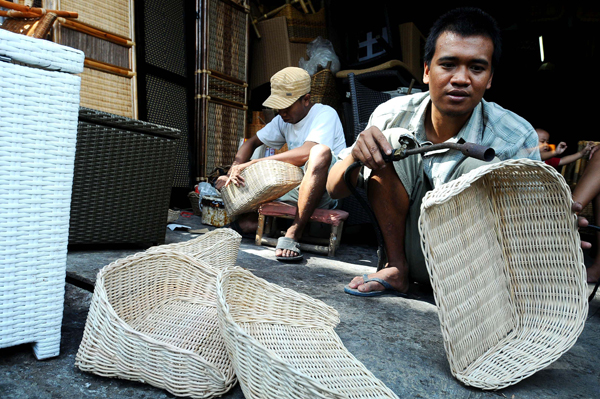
(217, 249)
(113, 16)
(168, 106)
(504, 258)
(153, 319)
(227, 39)
(122, 182)
(265, 181)
(38, 131)
(283, 345)
(225, 129)
(97, 84)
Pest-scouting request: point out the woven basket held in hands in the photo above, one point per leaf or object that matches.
(265, 181)
(153, 319)
(504, 258)
(218, 248)
(282, 343)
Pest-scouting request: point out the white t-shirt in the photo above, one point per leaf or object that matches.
(321, 125)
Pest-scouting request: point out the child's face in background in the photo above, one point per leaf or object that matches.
(543, 138)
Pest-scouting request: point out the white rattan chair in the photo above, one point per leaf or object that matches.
(504, 258)
(153, 319)
(218, 248)
(283, 345)
(265, 181)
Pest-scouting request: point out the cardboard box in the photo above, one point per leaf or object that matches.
(273, 51)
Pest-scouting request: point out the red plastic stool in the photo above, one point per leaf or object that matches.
(333, 217)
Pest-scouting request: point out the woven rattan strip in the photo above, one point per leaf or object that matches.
(217, 249)
(96, 48)
(153, 319)
(283, 345)
(505, 263)
(227, 39)
(113, 16)
(226, 126)
(107, 92)
(265, 181)
(225, 90)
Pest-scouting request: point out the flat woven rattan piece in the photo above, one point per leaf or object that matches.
(506, 266)
(283, 345)
(217, 249)
(153, 319)
(265, 181)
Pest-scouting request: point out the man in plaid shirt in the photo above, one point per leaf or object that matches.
(460, 55)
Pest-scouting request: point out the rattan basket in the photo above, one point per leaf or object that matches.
(283, 345)
(323, 89)
(304, 28)
(504, 258)
(265, 181)
(217, 249)
(153, 319)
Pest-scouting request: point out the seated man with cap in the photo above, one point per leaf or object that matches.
(314, 135)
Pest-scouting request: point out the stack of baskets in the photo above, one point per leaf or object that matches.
(104, 30)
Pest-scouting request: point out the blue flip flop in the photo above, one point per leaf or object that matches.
(389, 290)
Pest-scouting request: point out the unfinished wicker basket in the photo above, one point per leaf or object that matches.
(504, 258)
(265, 181)
(283, 345)
(218, 248)
(153, 319)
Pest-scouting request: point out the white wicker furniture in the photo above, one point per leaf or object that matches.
(265, 181)
(153, 319)
(283, 345)
(218, 248)
(39, 100)
(504, 258)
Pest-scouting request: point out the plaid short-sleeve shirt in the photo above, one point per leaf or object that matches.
(490, 125)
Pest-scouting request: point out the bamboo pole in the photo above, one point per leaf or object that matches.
(78, 26)
(101, 66)
(33, 11)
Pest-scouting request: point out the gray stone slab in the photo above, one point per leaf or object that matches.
(398, 339)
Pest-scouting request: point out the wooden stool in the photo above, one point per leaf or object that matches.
(333, 217)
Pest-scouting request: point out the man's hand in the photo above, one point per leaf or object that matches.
(581, 222)
(369, 145)
(593, 150)
(235, 176)
(221, 181)
(560, 148)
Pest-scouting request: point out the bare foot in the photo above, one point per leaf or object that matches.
(593, 273)
(392, 275)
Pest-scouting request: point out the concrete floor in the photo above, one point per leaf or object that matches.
(398, 339)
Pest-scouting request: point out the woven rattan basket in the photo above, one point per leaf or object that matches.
(153, 319)
(218, 248)
(504, 258)
(323, 89)
(304, 28)
(283, 345)
(265, 181)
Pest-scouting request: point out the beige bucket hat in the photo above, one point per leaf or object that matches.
(287, 86)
